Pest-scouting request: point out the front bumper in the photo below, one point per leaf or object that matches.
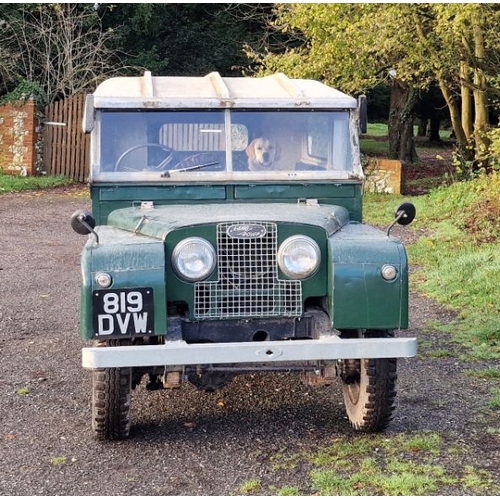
(179, 353)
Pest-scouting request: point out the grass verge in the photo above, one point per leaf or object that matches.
(457, 261)
(14, 183)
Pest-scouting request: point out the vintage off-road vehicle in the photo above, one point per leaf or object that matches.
(226, 237)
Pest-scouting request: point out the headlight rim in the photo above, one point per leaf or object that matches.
(292, 239)
(177, 250)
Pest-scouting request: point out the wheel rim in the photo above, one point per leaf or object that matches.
(351, 376)
(353, 391)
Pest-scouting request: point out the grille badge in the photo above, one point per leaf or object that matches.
(246, 231)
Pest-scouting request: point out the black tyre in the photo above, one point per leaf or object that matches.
(111, 391)
(369, 389)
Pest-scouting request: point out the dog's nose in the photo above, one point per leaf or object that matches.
(266, 156)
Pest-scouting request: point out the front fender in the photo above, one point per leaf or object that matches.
(132, 261)
(361, 297)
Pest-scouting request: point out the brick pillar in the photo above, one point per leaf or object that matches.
(384, 176)
(17, 138)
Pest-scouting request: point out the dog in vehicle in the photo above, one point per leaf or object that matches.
(262, 154)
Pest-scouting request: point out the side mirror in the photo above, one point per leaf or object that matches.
(363, 114)
(83, 222)
(404, 215)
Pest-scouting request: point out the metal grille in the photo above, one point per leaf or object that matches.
(248, 284)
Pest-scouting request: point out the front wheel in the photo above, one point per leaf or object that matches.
(111, 391)
(369, 389)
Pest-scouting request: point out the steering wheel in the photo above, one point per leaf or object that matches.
(125, 168)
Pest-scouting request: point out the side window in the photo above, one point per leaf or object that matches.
(319, 130)
(328, 141)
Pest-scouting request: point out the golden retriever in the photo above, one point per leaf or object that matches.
(262, 154)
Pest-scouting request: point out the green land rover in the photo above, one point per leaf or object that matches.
(226, 237)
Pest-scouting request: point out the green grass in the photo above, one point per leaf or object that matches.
(250, 487)
(13, 183)
(382, 130)
(457, 258)
(488, 373)
(405, 464)
(495, 399)
(58, 461)
(377, 129)
(457, 270)
(374, 142)
(372, 147)
(406, 479)
(289, 491)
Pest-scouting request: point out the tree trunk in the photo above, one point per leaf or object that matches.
(481, 123)
(423, 125)
(434, 129)
(455, 114)
(402, 103)
(466, 95)
(445, 88)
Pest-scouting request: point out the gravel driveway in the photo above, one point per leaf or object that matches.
(183, 442)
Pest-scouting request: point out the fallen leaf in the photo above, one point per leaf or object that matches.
(58, 460)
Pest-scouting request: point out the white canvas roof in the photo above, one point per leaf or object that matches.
(215, 91)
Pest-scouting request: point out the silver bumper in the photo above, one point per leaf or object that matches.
(180, 353)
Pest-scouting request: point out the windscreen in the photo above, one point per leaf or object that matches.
(258, 143)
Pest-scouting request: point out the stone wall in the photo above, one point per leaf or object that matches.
(18, 138)
(383, 176)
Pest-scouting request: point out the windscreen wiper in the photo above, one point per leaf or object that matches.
(194, 167)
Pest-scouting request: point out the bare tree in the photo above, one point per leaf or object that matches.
(7, 64)
(62, 47)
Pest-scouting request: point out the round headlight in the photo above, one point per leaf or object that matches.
(299, 257)
(389, 272)
(104, 280)
(193, 259)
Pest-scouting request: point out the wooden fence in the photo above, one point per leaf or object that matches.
(66, 147)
